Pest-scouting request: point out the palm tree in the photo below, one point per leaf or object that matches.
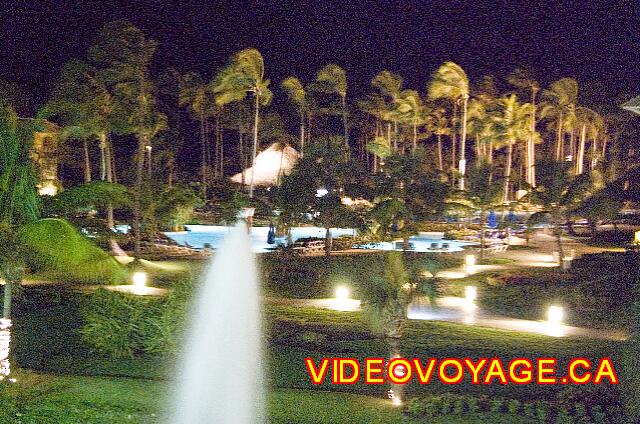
(245, 74)
(481, 195)
(438, 124)
(559, 104)
(123, 54)
(512, 125)
(450, 82)
(558, 192)
(591, 125)
(523, 79)
(193, 92)
(481, 126)
(333, 79)
(298, 96)
(412, 111)
(19, 202)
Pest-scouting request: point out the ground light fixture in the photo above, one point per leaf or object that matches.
(555, 315)
(469, 263)
(139, 279)
(321, 192)
(636, 237)
(343, 293)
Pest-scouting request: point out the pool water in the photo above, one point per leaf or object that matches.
(197, 235)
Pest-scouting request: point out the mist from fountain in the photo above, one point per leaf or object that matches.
(220, 376)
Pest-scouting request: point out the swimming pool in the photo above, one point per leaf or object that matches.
(197, 235)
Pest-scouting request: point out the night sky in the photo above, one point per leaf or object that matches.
(596, 42)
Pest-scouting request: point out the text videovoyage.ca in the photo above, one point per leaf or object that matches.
(456, 370)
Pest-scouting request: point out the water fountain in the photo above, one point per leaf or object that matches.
(219, 376)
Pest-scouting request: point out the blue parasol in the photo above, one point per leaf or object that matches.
(493, 219)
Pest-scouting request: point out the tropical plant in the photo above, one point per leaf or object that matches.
(559, 105)
(333, 79)
(122, 55)
(245, 74)
(558, 192)
(19, 202)
(524, 80)
(450, 82)
(512, 126)
(298, 97)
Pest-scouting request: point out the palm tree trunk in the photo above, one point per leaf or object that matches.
(559, 140)
(463, 140)
(109, 176)
(558, 234)
(482, 224)
(415, 136)
(87, 162)
(594, 153)
(389, 136)
(243, 162)
(203, 157)
(507, 171)
(137, 209)
(6, 304)
(302, 135)
(103, 159)
(254, 152)
(454, 135)
(440, 164)
(531, 163)
(581, 147)
(344, 123)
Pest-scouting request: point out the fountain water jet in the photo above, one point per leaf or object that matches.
(220, 375)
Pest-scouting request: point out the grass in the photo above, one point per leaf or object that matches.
(37, 398)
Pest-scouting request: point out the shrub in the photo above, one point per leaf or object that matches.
(54, 246)
(113, 323)
(121, 325)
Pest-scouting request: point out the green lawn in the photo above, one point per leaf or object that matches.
(37, 399)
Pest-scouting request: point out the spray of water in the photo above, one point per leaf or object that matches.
(220, 377)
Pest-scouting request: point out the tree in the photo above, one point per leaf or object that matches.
(481, 195)
(524, 79)
(412, 111)
(245, 74)
(559, 104)
(558, 192)
(333, 79)
(19, 202)
(438, 124)
(388, 293)
(123, 54)
(194, 93)
(512, 126)
(450, 82)
(298, 97)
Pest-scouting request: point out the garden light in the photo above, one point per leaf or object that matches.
(342, 293)
(555, 314)
(139, 279)
(470, 293)
(636, 238)
(321, 192)
(469, 264)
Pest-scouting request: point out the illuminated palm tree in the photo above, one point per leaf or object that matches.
(591, 126)
(245, 74)
(438, 124)
(411, 110)
(512, 125)
(298, 96)
(559, 105)
(523, 79)
(333, 79)
(450, 82)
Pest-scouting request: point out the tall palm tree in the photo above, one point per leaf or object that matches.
(193, 93)
(333, 79)
(438, 124)
(243, 75)
(298, 96)
(19, 202)
(412, 111)
(122, 55)
(524, 79)
(450, 82)
(559, 105)
(591, 125)
(512, 124)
